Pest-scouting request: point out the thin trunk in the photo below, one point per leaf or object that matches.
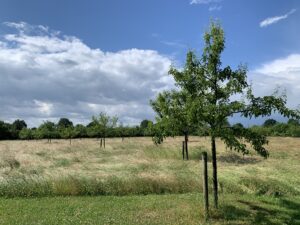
(100, 142)
(70, 141)
(104, 142)
(183, 148)
(214, 164)
(186, 139)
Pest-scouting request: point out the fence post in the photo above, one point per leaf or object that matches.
(205, 183)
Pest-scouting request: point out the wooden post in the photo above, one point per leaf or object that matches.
(183, 150)
(214, 164)
(205, 183)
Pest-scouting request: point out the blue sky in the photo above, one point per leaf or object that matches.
(161, 28)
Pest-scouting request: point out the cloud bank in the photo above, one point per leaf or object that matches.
(272, 20)
(283, 73)
(45, 75)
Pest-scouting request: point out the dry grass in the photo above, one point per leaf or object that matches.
(138, 166)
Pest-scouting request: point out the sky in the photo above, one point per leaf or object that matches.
(76, 58)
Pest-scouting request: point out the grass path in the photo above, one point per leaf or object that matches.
(149, 209)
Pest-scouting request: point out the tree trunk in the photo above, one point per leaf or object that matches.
(100, 142)
(186, 139)
(183, 149)
(70, 141)
(214, 164)
(104, 142)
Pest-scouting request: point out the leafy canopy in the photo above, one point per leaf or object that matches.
(204, 97)
(102, 122)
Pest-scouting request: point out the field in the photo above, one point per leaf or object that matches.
(135, 182)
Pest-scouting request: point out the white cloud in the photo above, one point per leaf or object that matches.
(177, 44)
(281, 74)
(276, 19)
(215, 8)
(284, 73)
(45, 75)
(204, 1)
(44, 107)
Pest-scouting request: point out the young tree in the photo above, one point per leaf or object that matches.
(66, 129)
(173, 117)
(81, 130)
(102, 123)
(26, 134)
(68, 133)
(209, 88)
(144, 127)
(47, 130)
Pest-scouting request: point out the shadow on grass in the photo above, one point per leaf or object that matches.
(196, 154)
(237, 159)
(294, 209)
(263, 212)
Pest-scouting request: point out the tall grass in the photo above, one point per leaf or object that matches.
(137, 167)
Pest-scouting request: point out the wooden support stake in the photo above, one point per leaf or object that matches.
(205, 183)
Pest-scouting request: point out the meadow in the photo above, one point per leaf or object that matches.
(135, 182)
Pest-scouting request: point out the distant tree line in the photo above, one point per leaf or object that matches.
(272, 127)
(103, 126)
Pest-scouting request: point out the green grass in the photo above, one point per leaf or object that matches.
(62, 163)
(150, 209)
(136, 182)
